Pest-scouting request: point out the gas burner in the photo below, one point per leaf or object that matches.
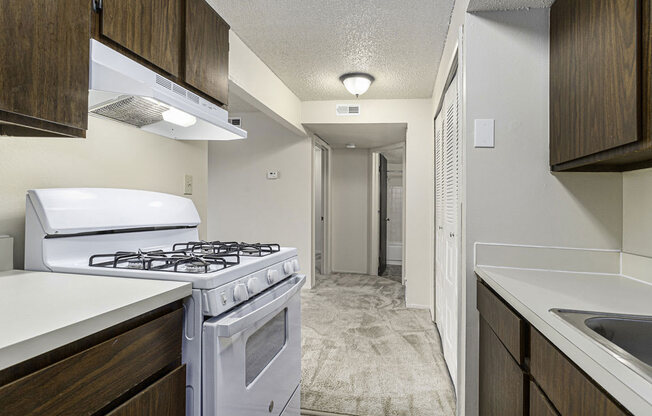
(218, 247)
(258, 249)
(208, 247)
(194, 268)
(186, 260)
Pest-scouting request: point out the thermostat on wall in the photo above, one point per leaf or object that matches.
(272, 174)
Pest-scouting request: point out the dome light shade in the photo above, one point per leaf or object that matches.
(357, 83)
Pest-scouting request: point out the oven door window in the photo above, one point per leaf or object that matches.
(264, 344)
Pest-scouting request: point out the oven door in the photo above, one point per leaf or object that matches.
(251, 356)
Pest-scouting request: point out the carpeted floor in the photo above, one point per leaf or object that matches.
(365, 354)
(394, 272)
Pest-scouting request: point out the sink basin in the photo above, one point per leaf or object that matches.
(626, 337)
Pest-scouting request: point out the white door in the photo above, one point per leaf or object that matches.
(448, 227)
(439, 221)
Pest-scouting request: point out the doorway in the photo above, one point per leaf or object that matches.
(321, 152)
(388, 208)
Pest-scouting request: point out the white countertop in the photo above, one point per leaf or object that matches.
(534, 292)
(42, 311)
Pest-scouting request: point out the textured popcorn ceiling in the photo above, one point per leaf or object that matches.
(493, 5)
(310, 43)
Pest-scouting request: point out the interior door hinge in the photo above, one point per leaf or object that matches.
(97, 5)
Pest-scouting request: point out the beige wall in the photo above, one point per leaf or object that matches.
(244, 205)
(637, 212)
(418, 263)
(112, 155)
(350, 216)
(511, 196)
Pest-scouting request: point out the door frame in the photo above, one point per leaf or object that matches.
(326, 202)
(374, 208)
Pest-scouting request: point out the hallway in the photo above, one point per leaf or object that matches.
(365, 354)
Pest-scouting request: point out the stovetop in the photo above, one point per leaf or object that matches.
(195, 257)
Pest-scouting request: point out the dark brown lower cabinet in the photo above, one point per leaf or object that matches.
(165, 397)
(539, 404)
(572, 392)
(137, 362)
(501, 380)
(546, 383)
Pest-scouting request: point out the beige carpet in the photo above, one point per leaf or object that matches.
(365, 354)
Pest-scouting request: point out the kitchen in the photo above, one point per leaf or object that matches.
(514, 214)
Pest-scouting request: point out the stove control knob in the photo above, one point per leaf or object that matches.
(288, 267)
(253, 286)
(295, 265)
(240, 292)
(272, 276)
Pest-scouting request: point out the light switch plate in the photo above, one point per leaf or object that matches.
(483, 135)
(187, 186)
(272, 174)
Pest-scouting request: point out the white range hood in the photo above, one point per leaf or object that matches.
(123, 90)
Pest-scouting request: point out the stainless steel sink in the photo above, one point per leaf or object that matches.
(626, 337)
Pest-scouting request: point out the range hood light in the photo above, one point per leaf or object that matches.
(178, 117)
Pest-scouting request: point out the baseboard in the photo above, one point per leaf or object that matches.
(416, 306)
(308, 412)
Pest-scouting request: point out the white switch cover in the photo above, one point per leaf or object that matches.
(483, 135)
(272, 174)
(187, 185)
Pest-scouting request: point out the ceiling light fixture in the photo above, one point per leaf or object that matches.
(357, 83)
(350, 145)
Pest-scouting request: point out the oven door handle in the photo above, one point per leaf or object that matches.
(233, 323)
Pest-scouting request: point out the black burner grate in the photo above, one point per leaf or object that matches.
(177, 260)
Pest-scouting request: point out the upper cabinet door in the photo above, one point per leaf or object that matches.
(595, 78)
(207, 50)
(44, 67)
(152, 29)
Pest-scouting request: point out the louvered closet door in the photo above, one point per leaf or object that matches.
(439, 221)
(451, 175)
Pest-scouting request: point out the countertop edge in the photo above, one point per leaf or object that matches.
(33, 347)
(623, 392)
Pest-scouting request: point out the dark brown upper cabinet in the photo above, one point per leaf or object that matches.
(44, 67)
(152, 29)
(600, 80)
(207, 50)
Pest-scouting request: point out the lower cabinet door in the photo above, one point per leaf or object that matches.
(539, 404)
(502, 381)
(166, 397)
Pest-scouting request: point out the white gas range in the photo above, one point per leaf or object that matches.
(242, 340)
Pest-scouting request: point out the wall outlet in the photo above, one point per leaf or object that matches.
(187, 185)
(272, 174)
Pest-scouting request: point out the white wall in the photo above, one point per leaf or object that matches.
(418, 263)
(255, 83)
(637, 212)
(244, 205)
(112, 155)
(511, 196)
(350, 216)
